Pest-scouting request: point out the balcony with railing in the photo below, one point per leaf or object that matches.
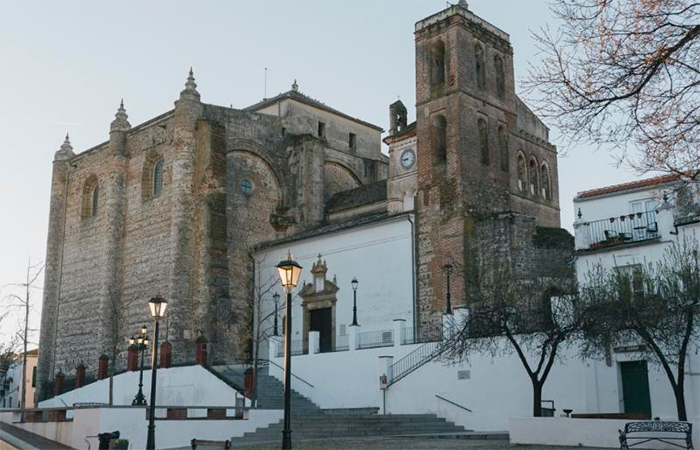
(618, 230)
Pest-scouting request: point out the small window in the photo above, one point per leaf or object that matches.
(34, 376)
(321, 130)
(246, 187)
(437, 64)
(503, 148)
(500, 76)
(484, 142)
(522, 173)
(439, 137)
(352, 141)
(95, 200)
(284, 131)
(91, 198)
(534, 178)
(544, 180)
(158, 177)
(631, 282)
(479, 66)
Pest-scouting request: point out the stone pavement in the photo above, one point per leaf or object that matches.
(399, 443)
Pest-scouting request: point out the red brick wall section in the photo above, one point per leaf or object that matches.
(103, 367)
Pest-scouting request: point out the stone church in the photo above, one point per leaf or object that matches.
(177, 206)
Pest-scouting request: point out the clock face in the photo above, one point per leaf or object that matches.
(408, 158)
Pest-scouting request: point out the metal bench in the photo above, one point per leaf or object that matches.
(656, 430)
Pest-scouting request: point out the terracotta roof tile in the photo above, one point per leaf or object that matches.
(628, 186)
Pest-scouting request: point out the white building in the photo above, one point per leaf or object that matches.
(623, 227)
(11, 390)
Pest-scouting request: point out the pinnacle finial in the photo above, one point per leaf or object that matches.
(190, 91)
(120, 122)
(66, 150)
(190, 85)
(295, 86)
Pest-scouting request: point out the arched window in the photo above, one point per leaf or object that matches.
(522, 173)
(544, 179)
(479, 65)
(91, 198)
(158, 176)
(503, 147)
(153, 174)
(437, 64)
(484, 141)
(534, 178)
(439, 135)
(500, 76)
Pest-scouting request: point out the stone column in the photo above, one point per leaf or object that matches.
(114, 210)
(54, 259)
(188, 109)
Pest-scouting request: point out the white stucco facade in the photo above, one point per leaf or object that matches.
(671, 220)
(378, 254)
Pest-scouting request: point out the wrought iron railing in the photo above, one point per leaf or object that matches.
(374, 339)
(409, 363)
(633, 227)
(408, 336)
(342, 343)
(299, 347)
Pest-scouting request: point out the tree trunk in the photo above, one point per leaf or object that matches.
(679, 392)
(536, 398)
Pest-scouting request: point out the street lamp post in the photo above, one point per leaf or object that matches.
(289, 271)
(276, 297)
(157, 307)
(354, 284)
(448, 272)
(141, 344)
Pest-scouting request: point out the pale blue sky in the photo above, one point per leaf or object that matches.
(64, 66)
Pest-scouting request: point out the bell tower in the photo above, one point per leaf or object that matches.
(465, 112)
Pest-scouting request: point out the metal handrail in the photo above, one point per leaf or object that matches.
(633, 227)
(298, 378)
(453, 403)
(417, 358)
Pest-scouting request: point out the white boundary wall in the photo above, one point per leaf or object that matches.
(132, 424)
(191, 385)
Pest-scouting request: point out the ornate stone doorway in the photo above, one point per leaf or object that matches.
(318, 301)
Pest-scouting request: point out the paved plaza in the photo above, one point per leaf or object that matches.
(396, 443)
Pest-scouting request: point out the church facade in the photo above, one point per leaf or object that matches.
(194, 206)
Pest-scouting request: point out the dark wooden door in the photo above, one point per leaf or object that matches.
(635, 387)
(322, 321)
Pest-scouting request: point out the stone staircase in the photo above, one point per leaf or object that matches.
(311, 422)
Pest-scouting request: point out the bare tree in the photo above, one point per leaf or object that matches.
(621, 72)
(24, 302)
(263, 318)
(655, 305)
(532, 318)
(112, 320)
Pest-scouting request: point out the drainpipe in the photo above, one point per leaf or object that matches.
(413, 273)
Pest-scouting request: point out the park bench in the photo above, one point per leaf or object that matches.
(657, 430)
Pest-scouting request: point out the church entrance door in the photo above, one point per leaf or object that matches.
(322, 321)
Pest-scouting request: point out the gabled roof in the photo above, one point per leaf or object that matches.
(302, 98)
(663, 179)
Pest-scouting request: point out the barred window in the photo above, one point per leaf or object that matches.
(91, 198)
(158, 177)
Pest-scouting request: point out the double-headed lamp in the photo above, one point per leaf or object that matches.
(157, 306)
(289, 271)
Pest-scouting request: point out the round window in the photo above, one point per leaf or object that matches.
(246, 187)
